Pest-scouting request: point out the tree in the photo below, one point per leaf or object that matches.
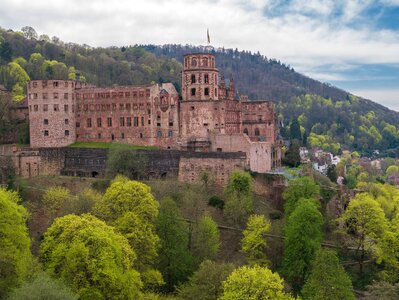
(54, 198)
(205, 239)
(29, 32)
(328, 279)
(292, 157)
(131, 208)
(123, 160)
(15, 255)
(382, 290)
(254, 240)
(365, 222)
(174, 261)
(239, 203)
(95, 260)
(303, 187)
(5, 52)
(253, 283)
(303, 235)
(295, 130)
(43, 287)
(332, 173)
(206, 283)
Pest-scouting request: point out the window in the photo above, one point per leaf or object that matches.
(142, 121)
(55, 83)
(45, 107)
(193, 78)
(123, 135)
(66, 83)
(66, 132)
(99, 135)
(112, 136)
(35, 107)
(45, 121)
(141, 135)
(159, 133)
(66, 121)
(65, 95)
(121, 121)
(128, 106)
(206, 91)
(136, 121)
(193, 92)
(99, 122)
(170, 133)
(194, 62)
(170, 124)
(46, 133)
(128, 121)
(109, 122)
(88, 122)
(257, 132)
(35, 96)
(206, 78)
(45, 96)
(55, 95)
(77, 124)
(66, 107)
(56, 107)
(246, 131)
(34, 84)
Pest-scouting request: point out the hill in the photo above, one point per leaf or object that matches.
(329, 117)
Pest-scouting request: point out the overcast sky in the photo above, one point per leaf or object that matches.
(352, 44)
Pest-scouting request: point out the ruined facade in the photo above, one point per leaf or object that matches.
(209, 117)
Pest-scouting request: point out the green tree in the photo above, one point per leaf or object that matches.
(131, 208)
(29, 32)
(303, 235)
(123, 160)
(382, 290)
(254, 241)
(292, 157)
(253, 283)
(332, 173)
(54, 198)
(6, 52)
(95, 260)
(15, 256)
(43, 287)
(328, 279)
(365, 222)
(295, 130)
(303, 187)
(174, 261)
(205, 239)
(206, 283)
(239, 202)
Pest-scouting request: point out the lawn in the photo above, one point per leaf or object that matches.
(104, 145)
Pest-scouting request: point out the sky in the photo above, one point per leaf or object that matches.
(351, 44)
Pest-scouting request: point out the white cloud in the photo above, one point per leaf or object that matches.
(386, 97)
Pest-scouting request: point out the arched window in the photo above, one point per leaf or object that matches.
(193, 78)
(257, 132)
(193, 92)
(194, 62)
(205, 62)
(246, 131)
(206, 92)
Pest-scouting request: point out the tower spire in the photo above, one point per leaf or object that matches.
(208, 37)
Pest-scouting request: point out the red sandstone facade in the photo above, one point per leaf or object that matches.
(208, 118)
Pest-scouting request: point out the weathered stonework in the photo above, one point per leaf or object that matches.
(209, 117)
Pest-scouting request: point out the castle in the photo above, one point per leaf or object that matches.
(208, 117)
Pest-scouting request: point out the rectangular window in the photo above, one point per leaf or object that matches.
(77, 124)
(34, 84)
(56, 107)
(65, 95)
(66, 107)
(142, 121)
(66, 121)
(206, 78)
(45, 96)
(109, 122)
(121, 121)
(35, 96)
(35, 107)
(170, 133)
(45, 121)
(128, 121)
(55, 95)
(66, 132)
(45, 107)
(128, 107)
(89, 122)
(123, 135)
(136, 121)
(99, 122)
(66, 83)
(46, 133)
(55, 83)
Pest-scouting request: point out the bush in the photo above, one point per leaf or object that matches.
(101, 185)
(216, 202)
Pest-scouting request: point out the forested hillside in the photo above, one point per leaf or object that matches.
(329, 117)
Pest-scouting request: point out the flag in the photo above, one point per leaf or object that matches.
(207, 34)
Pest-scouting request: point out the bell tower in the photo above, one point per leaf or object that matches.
(200, 77)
